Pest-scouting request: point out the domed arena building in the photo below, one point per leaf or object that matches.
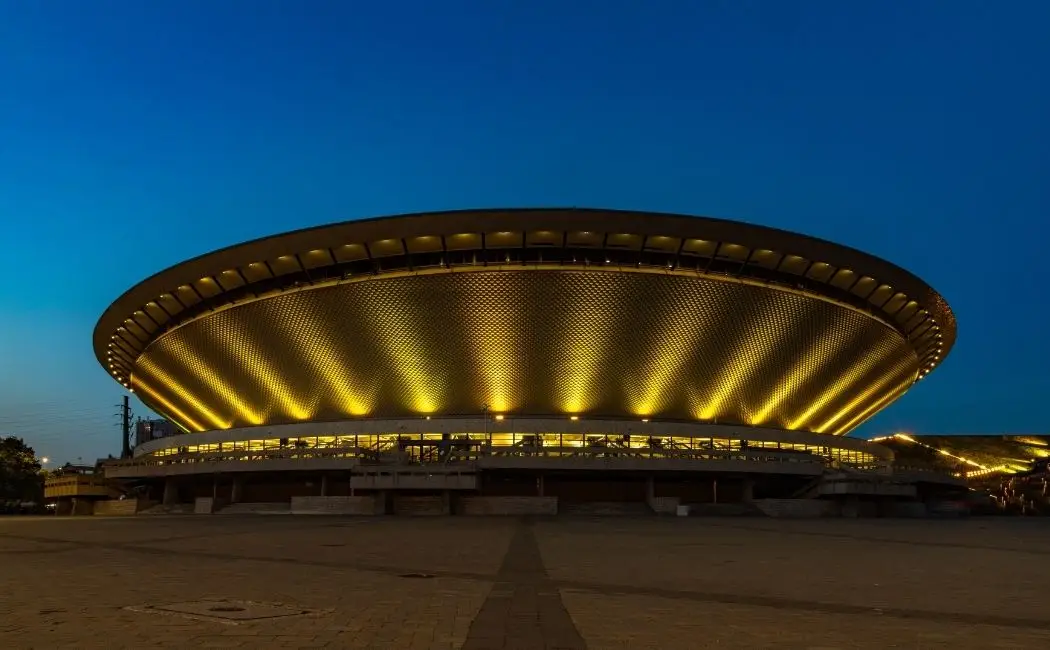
(521, 361)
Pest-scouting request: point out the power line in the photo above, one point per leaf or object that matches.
(21, 410)
(58, 426)
(73, 434)
(54, 416)
(54, 413)
(106, 422)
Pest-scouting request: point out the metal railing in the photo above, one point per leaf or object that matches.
(468, 452)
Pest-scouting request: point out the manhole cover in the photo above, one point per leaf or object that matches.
(228, 611)
(416, 575)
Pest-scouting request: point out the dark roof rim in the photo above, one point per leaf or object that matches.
(100, 335)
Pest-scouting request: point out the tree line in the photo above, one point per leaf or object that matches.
(21, 476)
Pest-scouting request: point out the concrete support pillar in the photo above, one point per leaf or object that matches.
(324, 485)
(650, 489)
(171, 492)
(749, 490)
(446, 502)
(236, 490)
(539, 485)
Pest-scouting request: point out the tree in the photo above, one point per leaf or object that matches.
(20, 476)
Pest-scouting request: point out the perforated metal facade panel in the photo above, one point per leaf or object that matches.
(530, 341)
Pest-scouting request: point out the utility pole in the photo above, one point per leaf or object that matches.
(125, 428)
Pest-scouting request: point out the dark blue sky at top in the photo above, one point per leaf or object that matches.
(134, 135)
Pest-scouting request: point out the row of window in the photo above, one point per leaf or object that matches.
(394, 442)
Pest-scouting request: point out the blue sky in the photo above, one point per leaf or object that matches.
(134, 135)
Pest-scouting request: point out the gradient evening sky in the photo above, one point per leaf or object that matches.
(134, 135)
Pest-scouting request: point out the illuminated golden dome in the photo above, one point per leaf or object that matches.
(528, 312)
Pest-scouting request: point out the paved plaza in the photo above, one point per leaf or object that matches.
(474, 583)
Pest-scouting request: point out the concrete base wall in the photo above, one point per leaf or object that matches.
(116, 507)
(204, 506)
(804, 508)
(507, 506)
(273, 508)
(161, 509)
(604, 509)
(664, 505)
(336, 506)
(405, 505)
(721, 509)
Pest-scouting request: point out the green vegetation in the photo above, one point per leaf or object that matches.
(21, 477)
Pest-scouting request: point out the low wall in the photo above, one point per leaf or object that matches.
(116, 507)
(794, 507)
(154, 508)
(405, 505)
(507, 506)
(722, 509)
(271, 508)
(204, 506)
(336, 506)
(664, 505)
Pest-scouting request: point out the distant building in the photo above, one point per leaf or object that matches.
(146, 430)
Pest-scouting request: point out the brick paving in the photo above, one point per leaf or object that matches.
(524, 609)
(568, 583)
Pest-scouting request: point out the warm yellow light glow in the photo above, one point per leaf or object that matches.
(399, 333)
(575, 341)
(864, 397)
(175, 388)
(756, 344)
(256, 363)
(858, 372)
(574, 417)
(495, 357)
(214, 379)
(680, 329)
(982, 470)
(499, 417)
(314, 344)
(172, 411)
(562, 443)
(808, 366)
(587, 328)
(871, 409)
